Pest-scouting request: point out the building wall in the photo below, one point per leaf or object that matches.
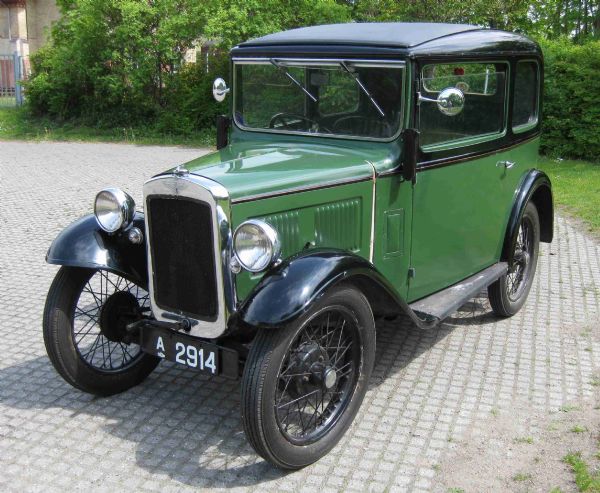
(25, 25)
(40, 16)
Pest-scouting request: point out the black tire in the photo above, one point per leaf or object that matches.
(275, 351)
(61, 339)
(508, 294)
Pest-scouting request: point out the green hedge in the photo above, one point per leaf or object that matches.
(571, 125)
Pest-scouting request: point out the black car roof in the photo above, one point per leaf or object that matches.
(387, 38)
(399, 34)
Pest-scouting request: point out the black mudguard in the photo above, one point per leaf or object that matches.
(291, 288)
(84, 244)
(534, 186)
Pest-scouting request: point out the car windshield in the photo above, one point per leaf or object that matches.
(333, 98)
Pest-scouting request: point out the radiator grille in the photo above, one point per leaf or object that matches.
(181, 242)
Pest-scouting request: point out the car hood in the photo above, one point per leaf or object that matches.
(255, 170)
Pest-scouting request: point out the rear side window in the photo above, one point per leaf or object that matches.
(525, 106)
(483, 112)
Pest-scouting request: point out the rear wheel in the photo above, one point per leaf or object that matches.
(85, 317)
(303, 384)
(508, 294)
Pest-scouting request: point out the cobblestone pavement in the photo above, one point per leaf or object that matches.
(430, 391)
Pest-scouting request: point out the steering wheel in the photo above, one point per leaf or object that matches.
(312, 125)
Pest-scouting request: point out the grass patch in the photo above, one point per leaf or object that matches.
(579, 429)
(18, 124)
(522, 476)
(568, 408)
(528, 440)
(585, 480)
(576, 187)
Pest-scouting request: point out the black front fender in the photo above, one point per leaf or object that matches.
(288, 291)
(84, 244)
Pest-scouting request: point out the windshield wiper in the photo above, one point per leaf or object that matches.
(364, 89)
(291, 77)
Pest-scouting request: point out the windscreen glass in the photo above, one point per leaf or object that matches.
(334, 99)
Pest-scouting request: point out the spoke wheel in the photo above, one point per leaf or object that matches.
(107, 303)
(318, 376)
(85, 317)
(518, 274)
(303, 383)
(508, 294)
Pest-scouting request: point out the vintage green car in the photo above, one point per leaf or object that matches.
(363, 170)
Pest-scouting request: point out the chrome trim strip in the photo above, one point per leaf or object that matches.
(372, 237)
(317, 62)
(214, 194)
(306, 188)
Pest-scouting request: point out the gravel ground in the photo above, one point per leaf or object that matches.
(478, 404)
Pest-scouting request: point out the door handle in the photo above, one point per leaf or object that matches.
(506, 164)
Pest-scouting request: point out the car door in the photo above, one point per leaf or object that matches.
(460, 204)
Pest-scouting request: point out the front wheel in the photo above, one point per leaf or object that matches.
(303, 384)
(508, 294)
(85, 317)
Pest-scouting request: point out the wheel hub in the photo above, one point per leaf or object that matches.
(119, 310)
(330, 377)
(313, 367)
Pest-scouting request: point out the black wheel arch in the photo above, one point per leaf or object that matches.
(84, 244)
(535, 186)
(290, 289)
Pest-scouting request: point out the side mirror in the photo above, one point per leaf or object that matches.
(223, 123)
(450, 101)
(410, 151)
(220, 89)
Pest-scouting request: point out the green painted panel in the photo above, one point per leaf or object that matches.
(338, 225)
(394, 233)
(336, 217)
(287, 225)
(258, 167)
(460, 215)
(393, 215)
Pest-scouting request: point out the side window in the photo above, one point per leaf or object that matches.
(484, 88)
(525, 105)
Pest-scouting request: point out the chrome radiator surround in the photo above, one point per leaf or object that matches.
(216, 196)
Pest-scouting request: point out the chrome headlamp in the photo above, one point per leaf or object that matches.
(256, 245)
(114, 209)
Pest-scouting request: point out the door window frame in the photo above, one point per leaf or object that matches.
(475, 139)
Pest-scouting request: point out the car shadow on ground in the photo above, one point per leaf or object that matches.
(187, 426)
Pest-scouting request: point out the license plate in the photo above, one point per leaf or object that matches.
(188, 351)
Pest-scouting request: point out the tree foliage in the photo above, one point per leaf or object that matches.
(122, 62)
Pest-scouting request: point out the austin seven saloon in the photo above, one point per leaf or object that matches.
(361, 171)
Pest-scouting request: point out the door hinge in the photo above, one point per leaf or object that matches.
(411, 273)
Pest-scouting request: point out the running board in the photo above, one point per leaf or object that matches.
(443, 303)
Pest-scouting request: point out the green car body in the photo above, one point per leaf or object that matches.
(362, 170)
(424, 211)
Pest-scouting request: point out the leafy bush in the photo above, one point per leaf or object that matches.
(116, 63)
(571, 125)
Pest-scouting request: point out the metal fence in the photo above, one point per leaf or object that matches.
(14, 69)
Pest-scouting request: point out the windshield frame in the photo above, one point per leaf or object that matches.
(316, 62)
